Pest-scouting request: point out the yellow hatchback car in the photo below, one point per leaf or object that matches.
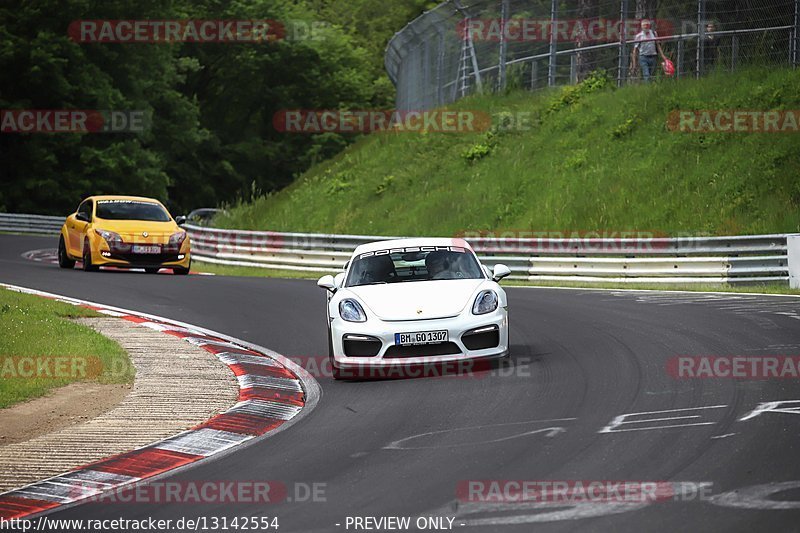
(124, 232)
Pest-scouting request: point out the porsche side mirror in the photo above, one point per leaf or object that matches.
(327, 283)
(181, 220)
(338, 280)
(81, 216)
(500, 271)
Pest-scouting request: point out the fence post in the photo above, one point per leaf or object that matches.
(573, 69)
(796, 34)
(622, 59)
(476, 69)
(534, 73)
(440, 70)
(426, 74)
(793, 263)
(679, 59)
(501, 72)
(701, 37)
(551, 67)
(734, 51)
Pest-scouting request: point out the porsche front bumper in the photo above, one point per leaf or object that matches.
(345, 340)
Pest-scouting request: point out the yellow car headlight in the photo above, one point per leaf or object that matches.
(109, 236)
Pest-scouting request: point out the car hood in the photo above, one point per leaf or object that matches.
(418, 300)
(132, 230)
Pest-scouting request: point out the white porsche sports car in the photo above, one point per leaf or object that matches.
(415, 301)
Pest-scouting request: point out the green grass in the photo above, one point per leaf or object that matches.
(601, 160)
(35, 327)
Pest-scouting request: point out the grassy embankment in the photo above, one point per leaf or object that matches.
(41, 349)
(595, 158)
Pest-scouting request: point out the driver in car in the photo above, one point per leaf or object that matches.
(438, 264)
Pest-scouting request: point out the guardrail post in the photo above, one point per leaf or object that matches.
(793, 256)
(551, 67)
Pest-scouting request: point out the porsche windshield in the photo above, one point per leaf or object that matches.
(414, 264)
(131, 210)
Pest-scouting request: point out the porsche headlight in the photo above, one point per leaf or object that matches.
(351, 311)
(109, 236)
(486, 302)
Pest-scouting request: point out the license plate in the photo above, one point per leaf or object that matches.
(140, 249)
(420, 337)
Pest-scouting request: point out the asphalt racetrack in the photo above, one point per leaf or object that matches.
(581, 361)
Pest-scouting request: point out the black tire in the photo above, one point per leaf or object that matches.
(152, 270)
(64, 260)
(182, 271)
(87, 259)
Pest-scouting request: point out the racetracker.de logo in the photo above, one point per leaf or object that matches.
(600, 241)
(586, 30)
(312, 121)
(320, 367)
(571, 492)
(51, 367)
(734, 121)
(73, 121)
(176, 31)
(734, 367)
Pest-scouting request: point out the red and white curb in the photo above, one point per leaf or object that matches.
(274, 393)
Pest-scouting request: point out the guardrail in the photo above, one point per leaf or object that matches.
(734, 259)
(38, 224)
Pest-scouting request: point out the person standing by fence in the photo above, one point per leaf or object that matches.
(646, 49)
(710, 47)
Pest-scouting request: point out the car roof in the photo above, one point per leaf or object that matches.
(121, 197)
(410, 243)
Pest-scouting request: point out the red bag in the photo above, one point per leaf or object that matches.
(669, 67)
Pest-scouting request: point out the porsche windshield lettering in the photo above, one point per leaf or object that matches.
(415, 263)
